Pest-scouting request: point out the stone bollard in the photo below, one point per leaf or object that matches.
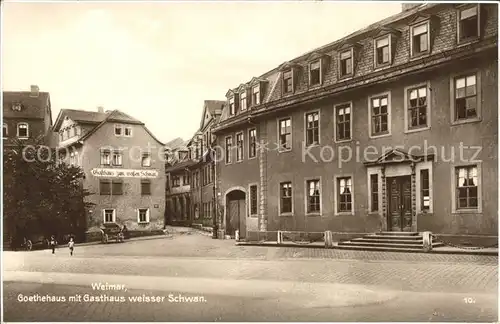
(427, 238)
(280, 237)
(237, 235)
(328, 239)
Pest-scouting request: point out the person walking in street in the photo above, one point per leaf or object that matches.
(53, 244)
(71, 245)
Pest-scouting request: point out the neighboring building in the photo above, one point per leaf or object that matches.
(123, 163)
(424, 77)
(27, 116)
(178, 190)
(202, 172)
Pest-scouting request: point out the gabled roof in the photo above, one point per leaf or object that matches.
(213, 108)
(175, 143)
(31, 107)
(179, 166)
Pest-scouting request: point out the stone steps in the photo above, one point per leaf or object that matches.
(388, 241)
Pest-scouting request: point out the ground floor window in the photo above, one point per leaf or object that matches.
(143, 215)
(313, 196)
(344, 194)
(374, 192)
(109, 216)
(425, 200)
(253, 200)
(466, 187)
(285, 197)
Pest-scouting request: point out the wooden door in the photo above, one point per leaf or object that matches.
(399, 197)
(232, 217)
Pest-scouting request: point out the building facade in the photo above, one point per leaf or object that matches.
(392, 128)
(124, 167)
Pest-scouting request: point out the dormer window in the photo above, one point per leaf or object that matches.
(288, 81)
(243, 101)
(345, 63)
(420, 39)
(17, 107)
(256, 95)
(232, 107)
(382, 51)
(315, 73)
(468, 23)
(22, 130)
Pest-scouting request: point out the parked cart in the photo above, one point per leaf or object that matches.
(112, 231)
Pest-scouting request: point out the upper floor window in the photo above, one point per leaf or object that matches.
(78, 131)
(243, 101)
(420, 39)
(146, 160)
(468, 23)
(239, 147)
(417, 107)
(343, 122)
(256, 95)
(252, 143)
(232, 107)
(465, 97)
(145, 187)
(117, 158)
(313, 196)
(176, 181)
(118, 130)
(379, 115)
(288, 81)
(345, 60)
(382, 52)
(467, 187)
(22, 130)
(229, 148)
(105, 157)
(128, 131)
(315, 73)
(5, 130)
(312, 128)
(285, 134)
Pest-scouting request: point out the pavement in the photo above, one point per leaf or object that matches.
(201, 279)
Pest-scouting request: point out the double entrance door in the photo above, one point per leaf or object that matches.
(399, 216)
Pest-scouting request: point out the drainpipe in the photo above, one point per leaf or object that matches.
(215, 207)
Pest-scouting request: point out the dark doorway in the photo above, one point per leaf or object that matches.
(235, 213)
(399, 216)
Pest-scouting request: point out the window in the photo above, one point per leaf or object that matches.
(229, 148)
(145, 187)
(239, 147)
(143, 215)
(243, 101)
(379, 115)
(116, 187)
(109, 215)
(128, 131)
(417, 107)
(313, 197)
(285, 197)
(67, 132)
(288, 81)
(253, 200)
(285, 134)
(468, 24)
(312, 128)
(343, 122)
(256, 95)
(424, 190)
(5, 130)
(72, 158)
(252, 143)
(345, 194)
(382, 54)
(232, 107)
(420, 39)
(467, 187)
(118, 130)
(117, 158)
(315, 73)
(105, 157)
(105, 187)
(465, 97)
(78, 131)
(374, 192)
(346, 63)
(176, 181)
(22, 130)
(146, 160)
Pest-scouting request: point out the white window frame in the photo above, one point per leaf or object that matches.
(320, 62)
(139, 216)
(120, 127)
(109, 152)
(256, 143)
(317, 111)
(427, 85)
(389, 114)
(243, 101)
(335, 122)
(27, 130)
(228, 153)
(427, 165)
(242, 157)
(291, 199)
(129, 128)
(291, 78)
(278, 144)
(256, 90)
(232, 112)
(146, 155)
(412, 28)
(306, 196)
(351, 73)
(249, 204)
(478, 117)
(375, 63)
(104, 215)
(371, 171)
(479, 209)
(120, 158)
(336, 193)
(471, 39)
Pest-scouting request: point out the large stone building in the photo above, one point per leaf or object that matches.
(392, 128)
(124, 167)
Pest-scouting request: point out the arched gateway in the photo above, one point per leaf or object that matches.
(235, 212)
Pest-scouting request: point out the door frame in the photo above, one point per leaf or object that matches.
(225, 206)
(388, 215)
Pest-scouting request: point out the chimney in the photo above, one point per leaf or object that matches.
(34, 91)
(100, 110)
(410, 5)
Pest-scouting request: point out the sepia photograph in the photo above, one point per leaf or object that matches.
(249, 161)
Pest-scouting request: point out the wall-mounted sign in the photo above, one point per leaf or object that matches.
(124, 173)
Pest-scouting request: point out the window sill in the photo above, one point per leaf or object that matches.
(381, 67)
(380, 136)
(286, 215)
(252, 158)
(343, 141)
(253, 216)
(313, 145)
(22, 138)
(414, 57)
(239, 161)
(344, 213)
(374, 213)
(466, 121)
(466, 211)
(416, 130)
(284, 151)
(345, 77)
(314, 214)
(228, 163)
(468, 41)
(143, 223)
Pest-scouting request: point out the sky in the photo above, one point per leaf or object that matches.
(158, 61)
